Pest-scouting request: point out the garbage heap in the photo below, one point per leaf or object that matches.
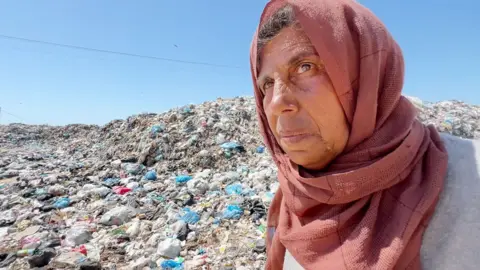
(185, 189)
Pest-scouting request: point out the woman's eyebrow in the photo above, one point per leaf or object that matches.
(300, 55)
(295, 58)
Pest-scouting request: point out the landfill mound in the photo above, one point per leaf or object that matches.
(186, 189)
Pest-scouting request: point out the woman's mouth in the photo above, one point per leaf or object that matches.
(294, 138)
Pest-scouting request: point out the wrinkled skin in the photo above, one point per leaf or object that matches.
(300, 102)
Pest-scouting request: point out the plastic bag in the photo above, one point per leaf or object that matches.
(232, 212)
(77, 236)
(151, 175)
(171, 265)
(183, 178)
(190, 217)
(157, 129)
(229, 146)
(121, 190)
(234, 189)
(110, 182)
(62, 203)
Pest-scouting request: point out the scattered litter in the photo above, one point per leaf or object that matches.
(169, 248)
(77, 236)
(190, 217)
(186, 189)
(151, 175)
(62, 203)
(157, 129)
(121, 190)
(233, 212)
(183, 178)
(110, 182)
(171, 265)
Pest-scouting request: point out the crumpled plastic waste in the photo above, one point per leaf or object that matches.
(121, 190)
(157, 129)
(232, 147)
(151, 175)
(190, 217)
(189, 188)
(171, 265)
(81, 249)
(110, 182)
(183, 178)
(233, 212)
(62, 203)
(77, 236)
(260, 149)
(234, 189)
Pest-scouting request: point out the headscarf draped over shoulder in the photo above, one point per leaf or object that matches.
(370, 208)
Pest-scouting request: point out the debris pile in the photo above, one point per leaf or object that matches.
(186, 189)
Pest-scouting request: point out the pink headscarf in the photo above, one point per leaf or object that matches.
(370, 209)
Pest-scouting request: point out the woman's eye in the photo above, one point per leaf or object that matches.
(304, 67)
(267, 85)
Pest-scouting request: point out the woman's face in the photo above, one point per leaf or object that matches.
(300, 103)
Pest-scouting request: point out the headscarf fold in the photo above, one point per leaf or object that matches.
(370, 207)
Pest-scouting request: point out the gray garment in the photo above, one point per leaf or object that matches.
(452, 239)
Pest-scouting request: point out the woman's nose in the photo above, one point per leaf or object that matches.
(283, 99)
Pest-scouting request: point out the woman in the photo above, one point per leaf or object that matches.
(363, 184)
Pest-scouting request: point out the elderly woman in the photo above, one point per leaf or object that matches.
(363, 184)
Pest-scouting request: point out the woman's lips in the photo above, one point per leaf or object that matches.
(294, 138)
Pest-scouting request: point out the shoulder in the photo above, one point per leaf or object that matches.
(463, 161)
(463, 172)
(460, 149)
(453, 235)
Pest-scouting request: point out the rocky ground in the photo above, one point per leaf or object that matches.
(187, 189)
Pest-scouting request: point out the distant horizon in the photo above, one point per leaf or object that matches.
(178, 107)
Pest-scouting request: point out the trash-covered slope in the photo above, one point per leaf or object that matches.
(186, 189)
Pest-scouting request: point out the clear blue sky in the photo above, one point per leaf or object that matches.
(54, 85)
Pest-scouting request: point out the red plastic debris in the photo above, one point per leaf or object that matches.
(121, 190)
(81, 249)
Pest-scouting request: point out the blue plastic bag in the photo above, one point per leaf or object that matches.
(183, 178)
(230, 145)
(62, 203)
(190, 217)
(157, 129)
(186, 110)
(260, 149)
(233, 212)
(110, 182)
(151, 175)
(171, 265)
(234, 189)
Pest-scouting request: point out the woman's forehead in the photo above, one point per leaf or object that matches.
(285, 48)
